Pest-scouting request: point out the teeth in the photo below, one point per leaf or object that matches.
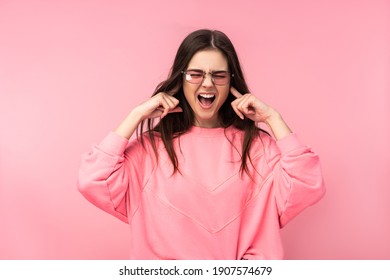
(204, 95)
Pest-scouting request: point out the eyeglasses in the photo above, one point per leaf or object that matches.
(196, 76)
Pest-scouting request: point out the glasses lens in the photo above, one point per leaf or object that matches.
(221, 77)
(194, 76)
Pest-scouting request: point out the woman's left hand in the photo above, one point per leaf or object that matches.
(251, 107)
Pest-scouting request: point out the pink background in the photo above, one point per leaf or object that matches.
(71, 70)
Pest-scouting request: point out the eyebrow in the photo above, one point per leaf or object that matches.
(214, 71)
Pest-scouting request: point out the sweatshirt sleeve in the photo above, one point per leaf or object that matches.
(297, 177)
(104, 175)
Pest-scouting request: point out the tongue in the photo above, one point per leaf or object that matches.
(206, 101)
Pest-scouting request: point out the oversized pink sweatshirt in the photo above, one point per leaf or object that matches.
(209, 211)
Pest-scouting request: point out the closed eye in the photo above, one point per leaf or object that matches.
(220, 76)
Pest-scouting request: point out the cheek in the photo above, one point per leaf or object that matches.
(224, 93)
(189, 92)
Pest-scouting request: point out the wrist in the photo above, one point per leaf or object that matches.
(127, 127)
(273, 117)
(135, 116)
(278, 126)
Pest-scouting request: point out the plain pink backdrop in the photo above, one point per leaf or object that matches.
(71, 70)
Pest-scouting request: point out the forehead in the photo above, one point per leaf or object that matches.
(208, 60)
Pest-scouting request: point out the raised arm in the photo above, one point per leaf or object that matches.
(111, 174)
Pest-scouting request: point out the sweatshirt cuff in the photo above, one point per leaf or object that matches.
(289, 143)
(113, 144)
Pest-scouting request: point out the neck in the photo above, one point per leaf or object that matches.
(208, 123)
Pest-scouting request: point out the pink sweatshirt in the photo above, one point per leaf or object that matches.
(209, 211)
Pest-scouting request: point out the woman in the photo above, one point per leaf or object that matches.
(205, 182)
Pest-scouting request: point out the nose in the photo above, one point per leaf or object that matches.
(207, 81)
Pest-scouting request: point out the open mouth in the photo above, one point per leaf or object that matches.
(206, 99)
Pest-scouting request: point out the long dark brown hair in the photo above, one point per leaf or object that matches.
(173, 125)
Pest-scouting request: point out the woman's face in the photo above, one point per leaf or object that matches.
(206, 98)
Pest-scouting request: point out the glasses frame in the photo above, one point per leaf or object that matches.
(184, 72)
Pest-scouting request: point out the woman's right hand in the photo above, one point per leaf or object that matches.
(158, 105)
